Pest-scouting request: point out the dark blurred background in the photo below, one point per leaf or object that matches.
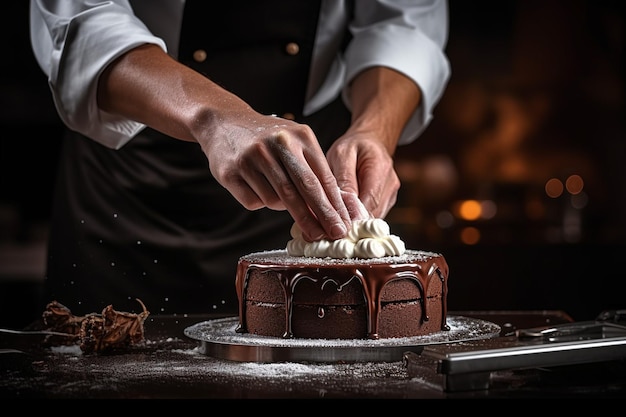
(520, 180)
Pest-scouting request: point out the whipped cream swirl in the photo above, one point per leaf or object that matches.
(368, 238)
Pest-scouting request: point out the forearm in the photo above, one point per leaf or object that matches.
(150, 87)
(382, 102)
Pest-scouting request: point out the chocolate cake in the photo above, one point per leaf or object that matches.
(282, 295)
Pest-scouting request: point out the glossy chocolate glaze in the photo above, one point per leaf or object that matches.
(374, 274)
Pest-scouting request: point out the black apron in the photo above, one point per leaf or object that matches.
(149, 221)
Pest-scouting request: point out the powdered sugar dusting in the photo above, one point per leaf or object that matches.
(173, 367)
(281, 257)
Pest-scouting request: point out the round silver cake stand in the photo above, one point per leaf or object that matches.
(220, 340)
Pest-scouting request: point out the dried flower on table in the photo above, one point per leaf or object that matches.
(111, 330)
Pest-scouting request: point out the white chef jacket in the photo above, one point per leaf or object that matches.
(74, 40)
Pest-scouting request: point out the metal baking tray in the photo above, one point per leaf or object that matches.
(219, 339)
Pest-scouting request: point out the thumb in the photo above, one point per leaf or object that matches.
(356, 209)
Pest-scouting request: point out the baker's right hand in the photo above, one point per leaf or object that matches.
(267, 161)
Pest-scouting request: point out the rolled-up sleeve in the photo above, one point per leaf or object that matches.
(73, 42)
(409, 37)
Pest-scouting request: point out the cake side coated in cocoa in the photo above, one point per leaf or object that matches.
(399, 296)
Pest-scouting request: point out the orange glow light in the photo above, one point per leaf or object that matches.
(574, 184)
(470, 210)
(554, 188)
(470, 235)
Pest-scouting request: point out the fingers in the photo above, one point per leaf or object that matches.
(315, 198)
(344, 166)
(364, 168)
(378, 187)
(255, 192)
(379, 196)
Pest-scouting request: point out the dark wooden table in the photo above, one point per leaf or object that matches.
(171, 366)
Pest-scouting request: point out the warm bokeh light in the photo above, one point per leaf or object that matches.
(574, 184)
(470, 235)
(470, 210)
(554, 187)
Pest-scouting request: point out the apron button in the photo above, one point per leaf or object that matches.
(199, 55)
(292, 48)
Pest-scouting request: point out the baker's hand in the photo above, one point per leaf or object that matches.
(267, 161)
(363, 167)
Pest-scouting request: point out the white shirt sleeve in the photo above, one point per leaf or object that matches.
(409, 37)
(73, 41)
